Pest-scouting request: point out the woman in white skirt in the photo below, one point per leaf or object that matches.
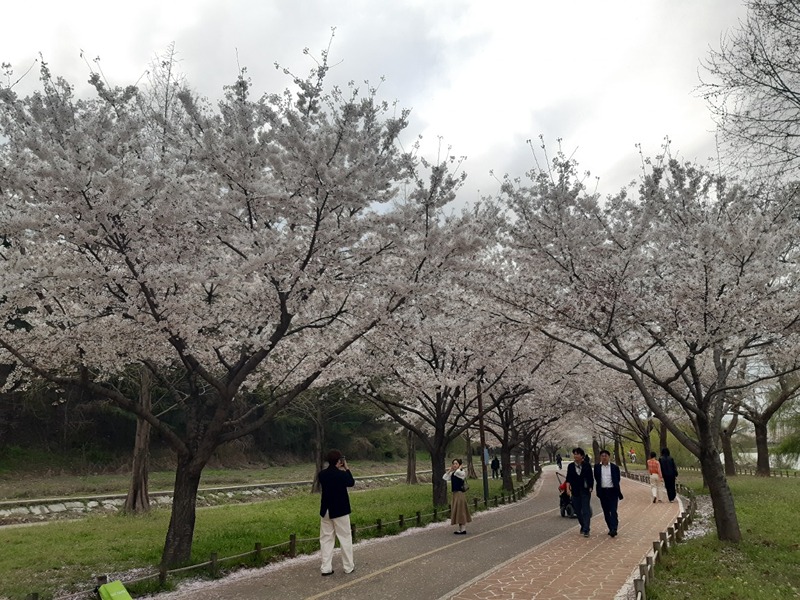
(459, 511)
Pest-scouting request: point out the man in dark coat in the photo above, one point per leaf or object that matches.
(334, 512)
(669, 472)
(580, 482)
(607, 478)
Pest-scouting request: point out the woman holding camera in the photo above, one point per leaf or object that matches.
(459, 511)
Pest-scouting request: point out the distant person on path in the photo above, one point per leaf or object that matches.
(495, 467)
(669, 472)
(654, 468)
(607, 478)
(558, 460)
(459, 511)
(580, 482)
(334, 512)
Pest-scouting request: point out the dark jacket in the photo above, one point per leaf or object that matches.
(582, 483)
(668, 468)
(615, 478)
(335, 500)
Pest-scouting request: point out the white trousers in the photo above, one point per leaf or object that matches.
(329, 530)
(656, 487)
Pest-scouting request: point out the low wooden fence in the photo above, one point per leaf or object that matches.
(666, 539)
(261, 555)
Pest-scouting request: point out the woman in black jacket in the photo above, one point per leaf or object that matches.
(669, 472)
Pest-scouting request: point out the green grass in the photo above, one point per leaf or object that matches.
(64, 556)
(765, 565)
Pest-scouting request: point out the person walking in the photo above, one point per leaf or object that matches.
(607, 484)
(669, 472)
(495, 464)
(558, 460)
(580, 482)
(334, 512)
(459, 511)
(654, 468)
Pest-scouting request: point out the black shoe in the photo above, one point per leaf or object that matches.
(328, 573)
(613, 533)
(585, 534)
(461, 532)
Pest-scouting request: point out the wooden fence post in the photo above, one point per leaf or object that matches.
(293, 545)
(258, 554)
(402, 522)
(419, 519)
(214, 565)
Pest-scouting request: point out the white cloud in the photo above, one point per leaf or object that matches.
(485, 76)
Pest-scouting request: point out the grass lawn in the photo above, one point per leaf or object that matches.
(64, 556)
(765, 565)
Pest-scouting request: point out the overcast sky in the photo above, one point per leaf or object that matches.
(484, 75)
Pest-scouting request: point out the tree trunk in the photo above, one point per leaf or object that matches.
(595, 450)
(662, 435)
(519, 465)
(762, 449)
(727, 451)
(319, 448)
(180, 533)
(721, 497)
(505, 468)
(138, 499)
(438, 468)
(411, 462)
(470, 463)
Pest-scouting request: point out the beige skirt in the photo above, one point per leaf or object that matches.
(459, 511)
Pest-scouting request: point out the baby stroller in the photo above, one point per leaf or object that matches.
(564, 500)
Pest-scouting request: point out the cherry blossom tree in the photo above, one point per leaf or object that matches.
(673, 288)
(752, 86)
(246, 245)
(429, 369)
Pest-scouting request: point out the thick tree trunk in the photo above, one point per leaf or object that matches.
(438, 467)
(662, 435)
(519, 465)
(411, 462)
(138, 499)
(721, 497)
(762, 449)
(180, 533)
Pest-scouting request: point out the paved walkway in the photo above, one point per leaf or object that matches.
(521, 550)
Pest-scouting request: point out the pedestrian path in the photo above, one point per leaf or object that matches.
(520, 550)
(602, 564)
